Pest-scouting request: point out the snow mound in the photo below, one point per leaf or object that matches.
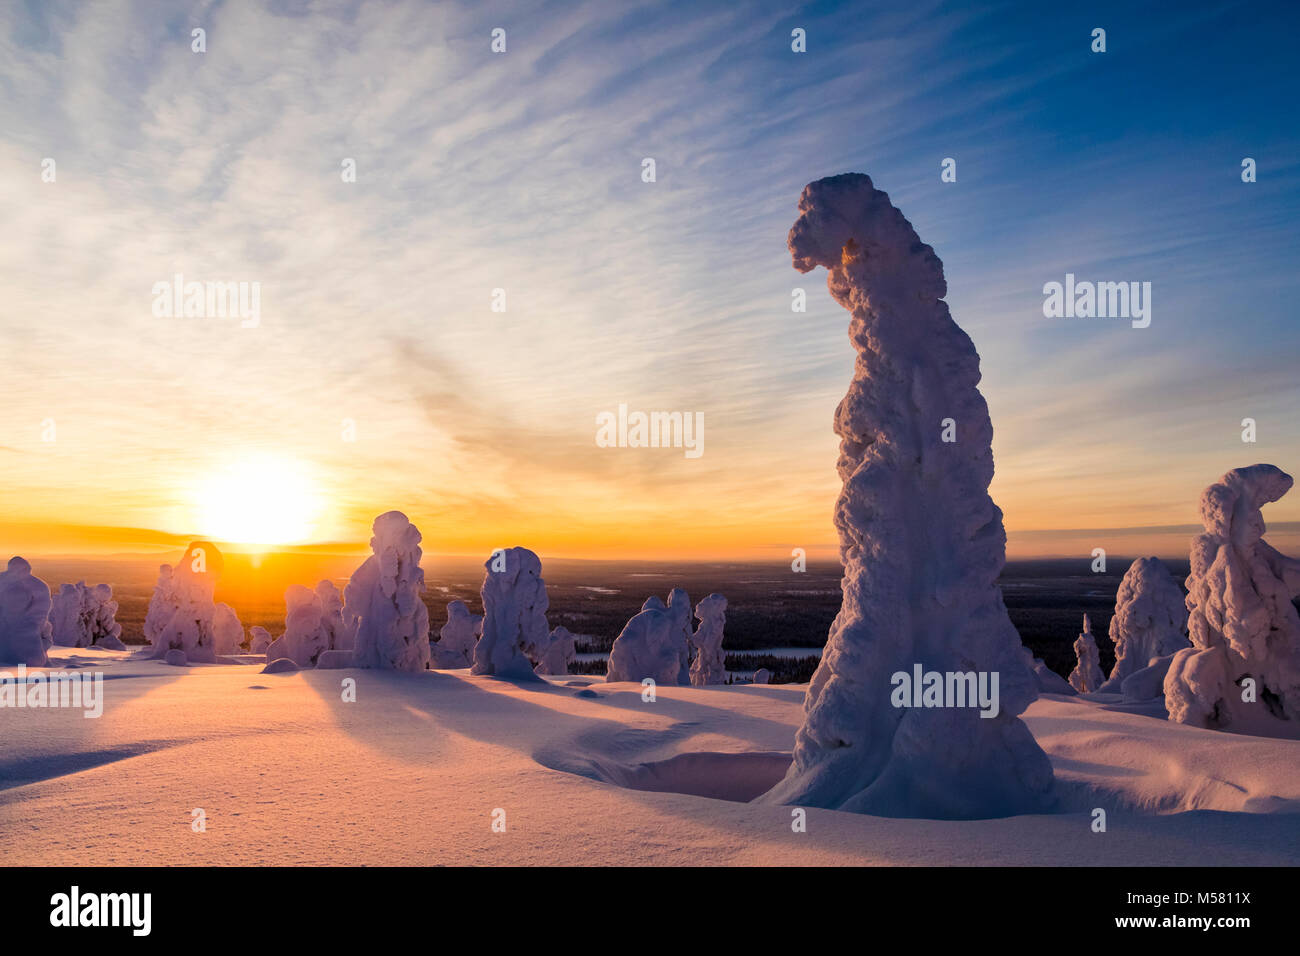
(281, 665)
(383, 606)
(1086, 676)
(1242, 622)
(709, 665)
(24, 615)
(1150, 620)
(514, 621)
(654, 643)
(176, 657)
(921, 541)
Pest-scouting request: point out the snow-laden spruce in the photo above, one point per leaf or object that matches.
(182, 614)
(514, 615)
(1149, 626)
(313, 623)
(24, 615)
(456, 638)
(1244, 629)
(555, 658)
(654, 643)
(259, 639)
(710, 664)
(921, 541)
(84, 616)
(384, 616)
(1086, 676)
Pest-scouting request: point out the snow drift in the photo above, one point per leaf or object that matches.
(921, 541)
(24, 615)
(654, 643)
(1242, 622)
(385, 618)
(514, 615)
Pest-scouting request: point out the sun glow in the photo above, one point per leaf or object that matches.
(263, 500)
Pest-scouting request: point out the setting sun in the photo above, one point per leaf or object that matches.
(264, 500)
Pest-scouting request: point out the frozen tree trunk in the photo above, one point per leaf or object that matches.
(382, 600)
(709, 666)
(456, 639)
(24, 615)
(1242, 672)
(654, 643)
(1086, 676)
(514, 615)
(1150, 620)
(921, 542)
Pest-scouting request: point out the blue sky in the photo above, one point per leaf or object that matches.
(522, 171)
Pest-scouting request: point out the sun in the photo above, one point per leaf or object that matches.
(258, 500)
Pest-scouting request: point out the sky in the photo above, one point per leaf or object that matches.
(378, 375)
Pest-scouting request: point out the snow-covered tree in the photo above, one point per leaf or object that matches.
(456, 638)
(1150, 620)
(921, 542)
(24, 615)
(514, 615)
(382, 604)
(558, 654)
(1086, 676)
(710, 664)
(259, 639)
(84, 616)
(182, 614)
(1242, 672)
(654, 643)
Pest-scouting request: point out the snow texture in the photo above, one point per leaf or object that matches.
(655, 643)
(24, 615)
(514, 616)
(1150, 620)
(387, 620)
(456, 638)
(84, 616)
(555, 659)
(709, 665)
(1242, 622)
(182, 614)
(281, 665)
(921, 541)
(1086, 676)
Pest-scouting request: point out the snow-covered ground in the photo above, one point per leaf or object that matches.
(286, 772)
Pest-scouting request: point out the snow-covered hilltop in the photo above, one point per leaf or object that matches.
(921, 541)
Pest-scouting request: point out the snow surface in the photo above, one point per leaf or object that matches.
(1242, 622)
(288, 773)
(921, 541)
